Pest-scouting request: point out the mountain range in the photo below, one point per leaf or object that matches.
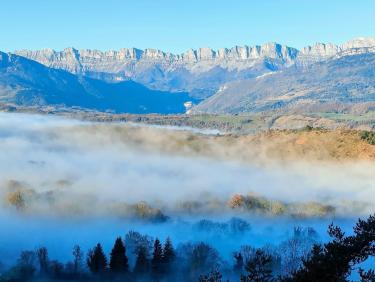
(322, 77)
(28, 83)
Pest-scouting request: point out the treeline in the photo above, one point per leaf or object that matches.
(138, 257)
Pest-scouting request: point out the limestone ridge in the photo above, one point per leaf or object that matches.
(272, 77)
(200, 72)
(77, 60)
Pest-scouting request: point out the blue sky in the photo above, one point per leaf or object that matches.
(180, 24)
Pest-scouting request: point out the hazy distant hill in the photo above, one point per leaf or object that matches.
(26, 82)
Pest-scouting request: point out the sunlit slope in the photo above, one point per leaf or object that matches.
(277, 145)
(305, 144)
(343, 84)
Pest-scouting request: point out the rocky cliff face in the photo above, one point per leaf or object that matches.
(80, 59)
(70, 56)
(200, 72)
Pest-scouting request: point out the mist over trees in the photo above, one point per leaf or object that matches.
(138, 257)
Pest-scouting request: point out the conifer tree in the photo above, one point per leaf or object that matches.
(141, 263)
(96, 260)
(118, 259)
(336, 260)
(157, 257)
(168, 252)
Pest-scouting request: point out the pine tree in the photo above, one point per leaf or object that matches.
(157, 257)
(96, 260)
(168, 252)
(118, 260)
(335, 260)
(141, 263)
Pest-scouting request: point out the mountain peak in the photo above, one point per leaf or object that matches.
(359, 42)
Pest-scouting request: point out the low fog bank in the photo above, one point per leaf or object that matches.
(65, 182)
(59, 166)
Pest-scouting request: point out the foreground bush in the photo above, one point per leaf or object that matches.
(368, 136)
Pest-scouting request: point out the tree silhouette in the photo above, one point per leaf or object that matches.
(42, 254)
(26, 265)
(157, 258)
(259, 268)
(141, 263)
(56, 269)
(335, 260)
(203, 257)
(77, 259)
(238, 265)
(213, 276)
(118, 259)
(96, 260)
(169, 253)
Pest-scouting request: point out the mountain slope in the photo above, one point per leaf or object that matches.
(25, 82)
(340, 84)
(199, 72)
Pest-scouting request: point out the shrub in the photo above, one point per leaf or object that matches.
(368, 136)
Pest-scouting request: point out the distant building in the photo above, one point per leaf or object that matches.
(188, 105)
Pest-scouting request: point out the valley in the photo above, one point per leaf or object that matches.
(187, 141)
